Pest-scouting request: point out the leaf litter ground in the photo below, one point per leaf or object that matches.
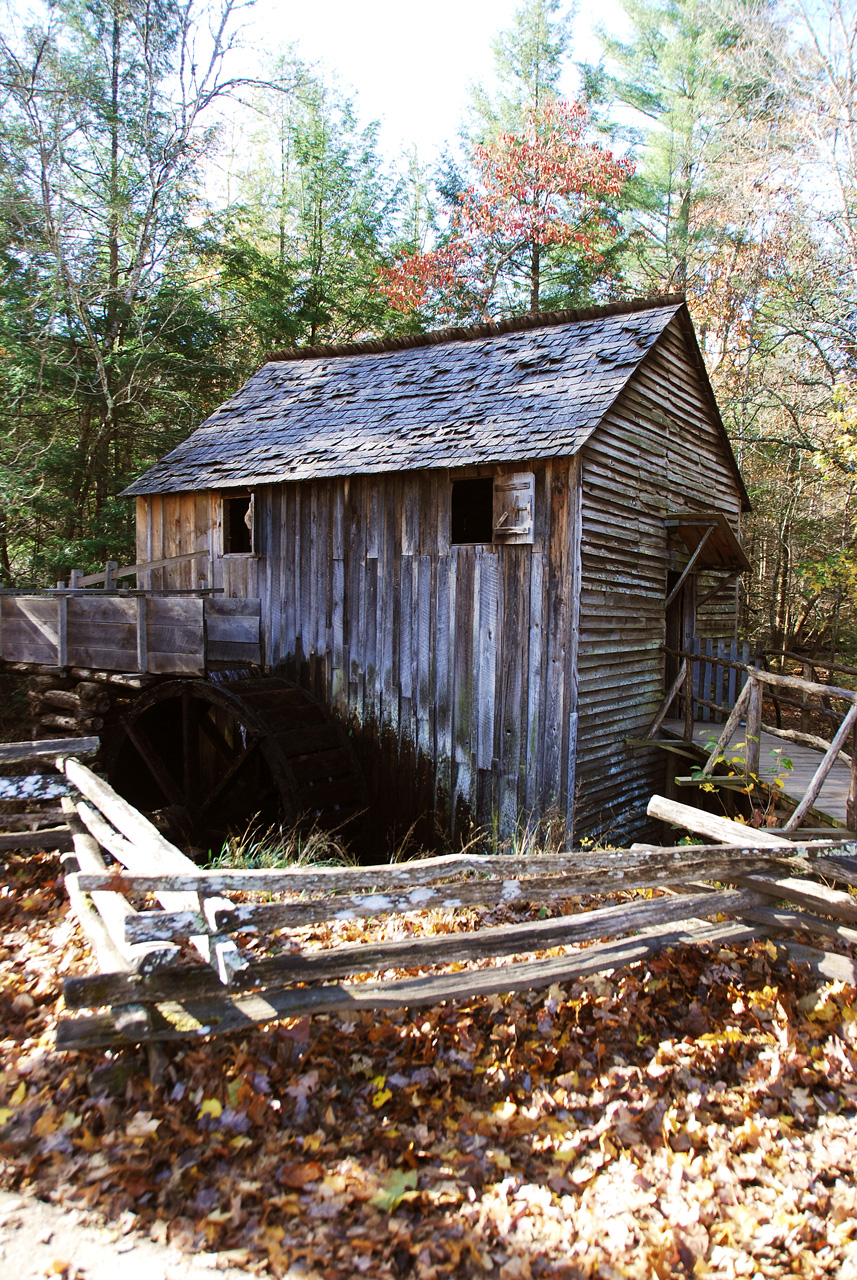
(694, 1114)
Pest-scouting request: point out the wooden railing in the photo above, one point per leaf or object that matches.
(109, 578)
(755, 684)
(138, 632)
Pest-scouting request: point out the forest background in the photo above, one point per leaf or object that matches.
(167, 218)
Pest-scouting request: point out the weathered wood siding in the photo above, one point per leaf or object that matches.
(453, 665)
(658, 450)
(486, 683)
(177, 524)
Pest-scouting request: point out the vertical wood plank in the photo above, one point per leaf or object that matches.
(535, 684)
(555, 738)
(142, 635)
(62, 631)
(462, 564)
(425, 647)
(443, 686)
(485, 650)
(575, 570)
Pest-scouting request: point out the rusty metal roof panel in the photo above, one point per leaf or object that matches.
(510, 395)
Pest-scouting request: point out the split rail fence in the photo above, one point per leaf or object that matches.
(176, 970)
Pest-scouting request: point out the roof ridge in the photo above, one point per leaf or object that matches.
(487, 329)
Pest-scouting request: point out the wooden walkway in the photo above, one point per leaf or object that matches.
(834, 794)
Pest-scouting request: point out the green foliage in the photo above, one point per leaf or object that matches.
(298, 255)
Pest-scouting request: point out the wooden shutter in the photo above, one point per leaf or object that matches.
(514, 508)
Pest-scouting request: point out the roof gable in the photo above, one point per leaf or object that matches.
(522, 390)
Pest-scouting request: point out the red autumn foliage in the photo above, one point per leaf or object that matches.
(544, 188)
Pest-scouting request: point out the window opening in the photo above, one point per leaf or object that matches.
(238, 521)
(472, 511)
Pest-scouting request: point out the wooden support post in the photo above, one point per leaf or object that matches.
(711, 825)
(110, 575)
(688, 703)
(823, 770)
(753, 734)
(142, 634)
(62, 631)
(74, 579)
(667, 702)
(851, 802)
(689, 566)
(805, 713)
(728, 729)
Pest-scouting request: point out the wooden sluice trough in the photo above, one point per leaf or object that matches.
(149, 987)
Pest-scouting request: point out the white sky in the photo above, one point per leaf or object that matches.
(410, 64)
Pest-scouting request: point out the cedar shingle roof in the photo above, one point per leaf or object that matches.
(534, 387)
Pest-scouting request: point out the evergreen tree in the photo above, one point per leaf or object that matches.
(108, 349)
(312, 222)
(529, 59)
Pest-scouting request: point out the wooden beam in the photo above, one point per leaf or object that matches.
(839, 739)
(270, 917)
(709, 824)
(47, 749)
(90, 579)
(729, 728)
(583, 866)
(196, 1018)
(806, 893)
(689, 566)
(412, 953)
(153, 846)
(665, 705)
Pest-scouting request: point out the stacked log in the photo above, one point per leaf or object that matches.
(70, 707)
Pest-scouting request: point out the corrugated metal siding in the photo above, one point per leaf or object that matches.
(658, 450)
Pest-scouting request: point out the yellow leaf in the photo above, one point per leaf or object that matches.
(312, 1141)
(211, 1107)
(379, 1081)
(501, 1160)
(19, 1095)
(504, 1111)
(381, 1097)
(5, 1114)
(771, 949)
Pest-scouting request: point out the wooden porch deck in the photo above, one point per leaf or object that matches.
(834, 793)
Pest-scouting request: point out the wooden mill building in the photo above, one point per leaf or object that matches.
(464, 544)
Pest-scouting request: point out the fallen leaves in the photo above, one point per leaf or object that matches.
(691, 1116)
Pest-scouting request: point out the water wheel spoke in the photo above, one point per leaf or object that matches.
(228, 777)
(215, 737)
(153, 762)
(190, 745)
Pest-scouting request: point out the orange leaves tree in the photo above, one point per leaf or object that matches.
(537, 191)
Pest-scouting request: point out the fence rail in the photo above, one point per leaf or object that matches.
(148, 990)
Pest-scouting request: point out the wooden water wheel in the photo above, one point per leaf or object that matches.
(211, 757)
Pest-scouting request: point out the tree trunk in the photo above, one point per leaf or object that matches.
(535, 264)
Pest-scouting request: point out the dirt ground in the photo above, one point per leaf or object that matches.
(693, 1115)
(40, 1239)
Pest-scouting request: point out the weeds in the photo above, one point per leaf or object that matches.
(273, 847)
(761, 793)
